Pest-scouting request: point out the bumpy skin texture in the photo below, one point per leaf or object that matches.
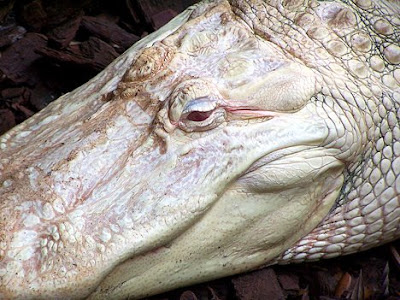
(362, 41)
(242, 134)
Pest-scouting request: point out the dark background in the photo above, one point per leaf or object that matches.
(48, 48)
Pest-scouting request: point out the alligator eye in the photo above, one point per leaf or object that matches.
(201, 114)
(198, 116)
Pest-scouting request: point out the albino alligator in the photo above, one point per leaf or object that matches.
(243, 133)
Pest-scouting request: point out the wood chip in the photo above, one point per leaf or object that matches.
(261, 284)
(10, 93)
(7, 120)
(289, 281)
(33, 15)
(93, 54)
(358, 289)
(10, 35)
(396, 255)
(109, 32)
(188, 295)
(24, 110)
(214, 295)
(161, 18)
(63, 34)
(16, 61)
(5, 9)
(343, 286)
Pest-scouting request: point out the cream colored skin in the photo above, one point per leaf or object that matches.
(243, 133)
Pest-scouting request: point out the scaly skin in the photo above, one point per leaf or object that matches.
(243, 133)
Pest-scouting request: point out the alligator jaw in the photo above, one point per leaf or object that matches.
(219, 225)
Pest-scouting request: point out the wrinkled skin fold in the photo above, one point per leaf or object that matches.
(243, 133)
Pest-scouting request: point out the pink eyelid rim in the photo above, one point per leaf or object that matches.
(251, 112)
(246, 111)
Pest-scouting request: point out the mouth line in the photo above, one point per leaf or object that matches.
(275, 156)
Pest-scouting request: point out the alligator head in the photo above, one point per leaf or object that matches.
(208, 149)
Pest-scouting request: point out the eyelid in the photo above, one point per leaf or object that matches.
(201, 104)
(217, 116)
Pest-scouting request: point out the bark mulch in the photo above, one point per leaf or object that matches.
(48, 48)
